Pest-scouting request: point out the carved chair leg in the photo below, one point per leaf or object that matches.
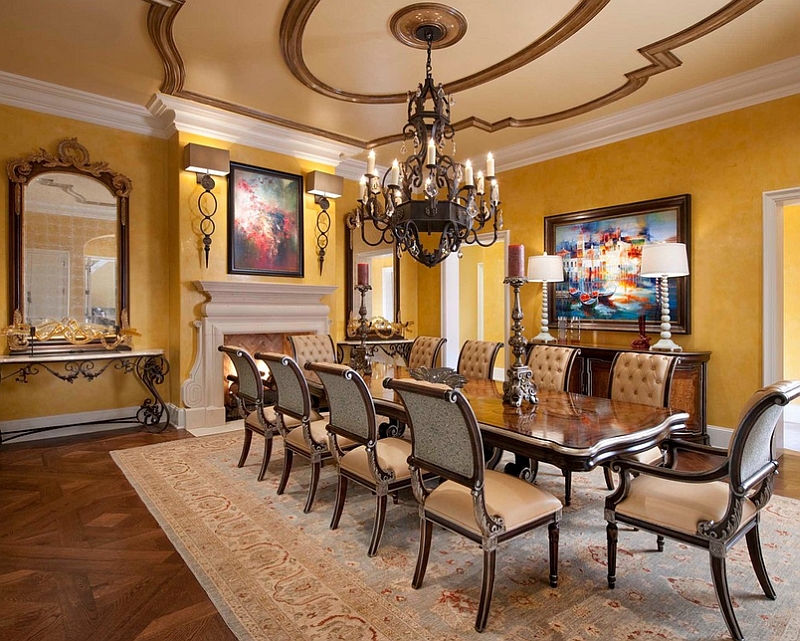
(312, 488)
(609, 477)
(377, 526)
(395, 498)
(660, 543)
(553, 531)
(720, 580)
(567, 486)
(534, 469)
(487, 586)
(425, 531)
(267, 456)
(754, 548)
(248, 438)
(492, 456)
(288, 457)
(341, 494)
(611, 538)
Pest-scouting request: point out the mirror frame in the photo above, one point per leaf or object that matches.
(70, 157)
(349, 282)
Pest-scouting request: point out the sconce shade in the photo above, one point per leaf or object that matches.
(545, 269)
(321, 184)
(668, 259)
(206, 160)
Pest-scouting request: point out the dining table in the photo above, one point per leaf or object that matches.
(573, 432)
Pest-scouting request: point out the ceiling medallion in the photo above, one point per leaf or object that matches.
(411, 24)
(428, 194)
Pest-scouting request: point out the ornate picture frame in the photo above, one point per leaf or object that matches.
(601, 249)
(265, 222)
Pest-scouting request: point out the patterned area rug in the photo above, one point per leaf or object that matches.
(280, 575)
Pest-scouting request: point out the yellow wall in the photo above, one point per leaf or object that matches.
(493, 262)
(791, 301)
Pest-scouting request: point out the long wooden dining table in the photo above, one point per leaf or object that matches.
(574, 432)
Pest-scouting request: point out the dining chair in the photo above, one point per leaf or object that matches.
(644, 378)
(711, 509)
(312, 348)
(476, 359)
(380, 465)
(258, 417)
(425, 351)
(309, 438)
(485, 506)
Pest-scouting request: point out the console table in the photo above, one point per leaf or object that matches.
(391, 347)
(149, 366)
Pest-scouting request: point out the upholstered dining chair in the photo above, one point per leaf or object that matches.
(476, 359)
(425, 351)
(309, 439)
(258, 417)
(379, 465)
(312, 348)
(644, 378)
(485, 506)
(711, 509)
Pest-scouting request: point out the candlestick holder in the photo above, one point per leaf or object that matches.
(359, 357)
(518, 385)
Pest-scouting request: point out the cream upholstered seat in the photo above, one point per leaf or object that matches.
(309, 438)
(644, 378)
(485, 506)
(711, 509)
(257, 416)
(476, 359)
(425, 351)
(379, 465)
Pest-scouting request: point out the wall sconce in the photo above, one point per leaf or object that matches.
(323, 186)
(206, 162)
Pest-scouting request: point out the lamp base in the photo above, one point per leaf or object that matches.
(666, 345)
(544, 337)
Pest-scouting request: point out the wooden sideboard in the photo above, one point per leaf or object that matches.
(590, 375)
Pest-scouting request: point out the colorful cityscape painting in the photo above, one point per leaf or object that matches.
(601, 251)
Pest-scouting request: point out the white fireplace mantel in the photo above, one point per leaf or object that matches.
(241, 307)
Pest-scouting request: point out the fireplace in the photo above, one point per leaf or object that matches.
(236, 309)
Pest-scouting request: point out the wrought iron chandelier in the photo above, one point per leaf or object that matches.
(428, 193)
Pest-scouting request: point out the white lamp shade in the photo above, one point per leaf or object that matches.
(668, 259)
(545, 269)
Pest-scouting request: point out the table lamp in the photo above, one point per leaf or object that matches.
(545, 269)
(665, 261)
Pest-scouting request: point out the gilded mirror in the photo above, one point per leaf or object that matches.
(382, 302)
(69, 252)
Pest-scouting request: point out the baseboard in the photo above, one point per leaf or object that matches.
(791, 413)
(192, 418)
(719, 436)
(70, 424)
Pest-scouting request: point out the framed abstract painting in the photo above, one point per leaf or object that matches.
(265, 222)
(602, 249)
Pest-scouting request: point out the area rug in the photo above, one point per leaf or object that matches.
(276, 574)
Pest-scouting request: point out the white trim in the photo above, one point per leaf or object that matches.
(719, 436)
(450, 319)
(766, 83)
(70, 422)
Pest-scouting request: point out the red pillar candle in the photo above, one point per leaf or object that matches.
(363, 273)
(516, 261)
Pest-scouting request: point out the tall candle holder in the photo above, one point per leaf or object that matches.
(359, 357)
(518, 385)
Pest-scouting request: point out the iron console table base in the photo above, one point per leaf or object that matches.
(149, 366)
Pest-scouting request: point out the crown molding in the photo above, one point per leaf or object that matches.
(45, 97)
(770, 82)
(192, 117)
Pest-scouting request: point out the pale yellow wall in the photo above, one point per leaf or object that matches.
(492, 259)
(791, 301)
(725, 163)
(143, 160)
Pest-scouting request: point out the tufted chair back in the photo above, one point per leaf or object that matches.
(644, 378)
(476, 360)
(551, 366)
(425, 351)
(312, 348)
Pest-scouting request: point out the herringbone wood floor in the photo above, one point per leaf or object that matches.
(81, 558)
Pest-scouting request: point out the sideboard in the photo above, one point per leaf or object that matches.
(590, 375)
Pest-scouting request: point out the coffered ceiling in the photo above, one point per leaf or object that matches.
(523, 72)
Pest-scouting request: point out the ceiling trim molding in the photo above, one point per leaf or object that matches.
(45, 97)
(192, 117)
(771, 82)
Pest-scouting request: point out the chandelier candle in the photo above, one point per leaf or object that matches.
(363, 273)
(516, 261)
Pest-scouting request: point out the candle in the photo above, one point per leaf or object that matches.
(468, 181)
(371, 163)
(431, 153)
(481, 186)
(394, 180)
(495, 196)
(363, 273)
(490, 165)
(516, 261)
(362, 186)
